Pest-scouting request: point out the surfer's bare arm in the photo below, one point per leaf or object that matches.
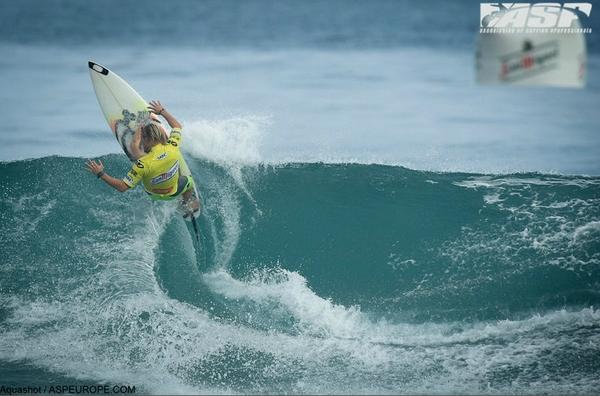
(135, 148)
(97, 168)
(157, 108)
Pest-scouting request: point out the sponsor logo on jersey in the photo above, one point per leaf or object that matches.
(128, 179)
(162, 156)
(163, 177)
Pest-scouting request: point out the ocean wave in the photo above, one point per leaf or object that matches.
(309, 278)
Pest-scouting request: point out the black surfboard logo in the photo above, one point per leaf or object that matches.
(98, 68)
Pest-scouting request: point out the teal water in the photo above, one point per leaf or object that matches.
(309, 278)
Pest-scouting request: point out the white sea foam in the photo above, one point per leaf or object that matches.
(149, 339)
(316, 315)
(586, 229)
(29, 210)
(492, 181)
(232, 141)
(492, 198)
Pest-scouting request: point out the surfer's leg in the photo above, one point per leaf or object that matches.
(189, 201)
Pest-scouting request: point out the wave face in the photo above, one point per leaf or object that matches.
(310, 278)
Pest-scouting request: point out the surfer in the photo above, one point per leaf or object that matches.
(158, 163)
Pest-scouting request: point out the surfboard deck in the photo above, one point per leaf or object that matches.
(126, 111)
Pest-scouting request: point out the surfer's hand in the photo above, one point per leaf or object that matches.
(156, 107)
(95, 167)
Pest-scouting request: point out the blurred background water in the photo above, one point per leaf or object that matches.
(386, 82)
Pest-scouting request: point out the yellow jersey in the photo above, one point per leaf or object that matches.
(158, 170)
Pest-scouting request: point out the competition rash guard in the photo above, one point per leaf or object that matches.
(158, 170)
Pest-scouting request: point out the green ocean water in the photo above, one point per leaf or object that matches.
(309, 278)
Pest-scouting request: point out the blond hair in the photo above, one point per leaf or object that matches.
(153, 134)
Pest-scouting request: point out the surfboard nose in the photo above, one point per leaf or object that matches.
(98, 68)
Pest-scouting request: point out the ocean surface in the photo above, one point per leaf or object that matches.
(374, 222)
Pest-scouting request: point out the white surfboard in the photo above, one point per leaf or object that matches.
(125, 111)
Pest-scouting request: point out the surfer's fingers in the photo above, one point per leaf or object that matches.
(92, 165)
(155, 105)
(152, 107)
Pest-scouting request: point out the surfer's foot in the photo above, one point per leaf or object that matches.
(192, 212)
(191, 205)
(192, 209)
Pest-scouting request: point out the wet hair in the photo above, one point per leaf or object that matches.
(152, 133)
